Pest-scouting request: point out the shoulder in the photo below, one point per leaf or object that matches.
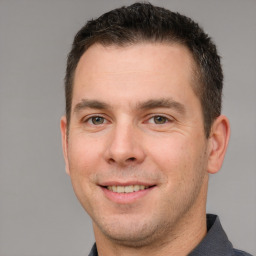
(240, 253)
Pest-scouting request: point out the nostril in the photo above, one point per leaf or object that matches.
(127, 161)
(111, 160)
(132, 159)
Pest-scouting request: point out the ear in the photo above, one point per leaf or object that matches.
(63, 128)
(218, 143)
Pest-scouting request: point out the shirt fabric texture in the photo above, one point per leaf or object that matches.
(215, 243)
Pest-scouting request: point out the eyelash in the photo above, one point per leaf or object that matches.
(89, 120)
(166, 120)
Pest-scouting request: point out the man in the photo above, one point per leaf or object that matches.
(143, 130)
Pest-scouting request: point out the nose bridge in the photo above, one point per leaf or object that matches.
(124, 145)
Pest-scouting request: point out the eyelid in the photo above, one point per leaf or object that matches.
(168, 118)
(89, 117)
(106, 119)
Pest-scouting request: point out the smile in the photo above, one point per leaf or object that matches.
(127, 189)
(126, 193)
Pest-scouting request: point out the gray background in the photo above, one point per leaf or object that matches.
(39, 214)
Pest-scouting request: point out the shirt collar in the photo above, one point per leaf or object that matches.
(216, 242)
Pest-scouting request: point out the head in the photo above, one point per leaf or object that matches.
(146, 23)
(143, 127)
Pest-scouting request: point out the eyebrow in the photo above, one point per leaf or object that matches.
(147, 105)
(85, 103)
(162, 103)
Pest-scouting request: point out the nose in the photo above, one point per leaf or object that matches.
(125, 146)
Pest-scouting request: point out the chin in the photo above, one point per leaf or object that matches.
(134, 234)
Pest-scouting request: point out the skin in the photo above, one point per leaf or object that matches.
(150, 130)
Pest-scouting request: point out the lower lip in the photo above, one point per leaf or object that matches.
(126, 198)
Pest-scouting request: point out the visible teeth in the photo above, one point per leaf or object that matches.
(136, 187)
(127, 189)
(120, 189)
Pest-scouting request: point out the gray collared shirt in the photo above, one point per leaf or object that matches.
(215, 243)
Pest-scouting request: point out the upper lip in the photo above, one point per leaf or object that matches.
(126, 183)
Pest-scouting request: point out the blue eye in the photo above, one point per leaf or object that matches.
(96, 120)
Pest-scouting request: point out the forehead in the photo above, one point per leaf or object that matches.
(145, 55)
(136, 70)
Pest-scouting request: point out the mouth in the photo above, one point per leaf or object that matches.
(126, 192)
(127, 189)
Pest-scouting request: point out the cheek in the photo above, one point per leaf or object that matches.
(171, 152)
(83, 160)
(176, 157)
(83, 154)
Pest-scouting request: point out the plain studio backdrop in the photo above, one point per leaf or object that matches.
(39, 214)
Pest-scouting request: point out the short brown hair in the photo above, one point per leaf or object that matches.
(143, 22)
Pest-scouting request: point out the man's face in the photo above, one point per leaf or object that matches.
(136, 152)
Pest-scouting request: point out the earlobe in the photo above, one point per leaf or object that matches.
(63, 128)
(218, 143)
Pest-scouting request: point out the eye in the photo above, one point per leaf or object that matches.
(158, 120)
(96, 120)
